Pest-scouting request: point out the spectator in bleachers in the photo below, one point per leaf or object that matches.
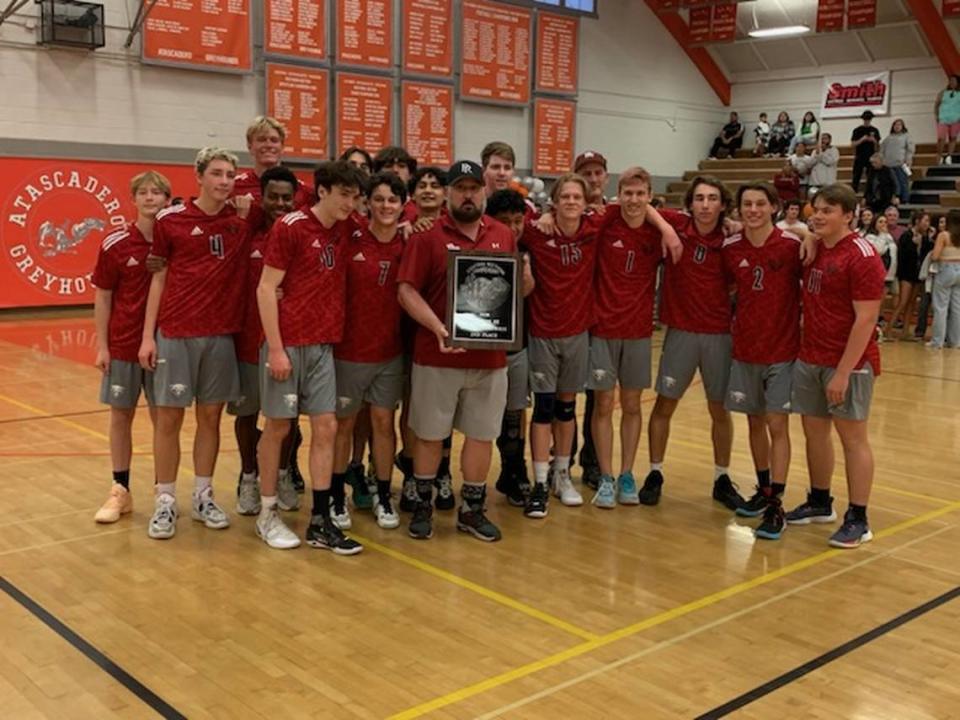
(865, 140)
(864, 221)
(761, 134)
(897, 149)
(787, 183)
(894, 227)
(946, 286)
(792, 219)
(802, 161)
(809, 131)
(879, 236)
(823, 170)
(881, 190)
(947, 110)
(729, 140)
(913, 247)
(781, 134)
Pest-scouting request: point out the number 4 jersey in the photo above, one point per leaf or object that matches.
(206, 271)
(372, 330)
(766, 321)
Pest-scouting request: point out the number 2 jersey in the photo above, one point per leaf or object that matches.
(766, 320)
(206, 266)
(373, 312)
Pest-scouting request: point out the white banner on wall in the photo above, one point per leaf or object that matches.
(850, 95)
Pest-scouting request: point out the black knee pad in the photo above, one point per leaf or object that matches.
(565, 410)
(544, 405)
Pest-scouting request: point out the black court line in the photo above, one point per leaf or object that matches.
(79, 413)
(158, 704)
(818, 662)
(918, 375)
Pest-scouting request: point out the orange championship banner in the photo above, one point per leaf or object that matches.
(427, 122)
(365, 33)
(364, 111)
(553, 136)
(299, 97)
(56, 213)
(427, 37)
(558, 49)
(495, 62)
(295, 28)
(199, 34)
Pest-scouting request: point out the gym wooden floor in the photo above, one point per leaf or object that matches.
(667, 612)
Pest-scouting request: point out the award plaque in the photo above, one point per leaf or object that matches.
(484, 301)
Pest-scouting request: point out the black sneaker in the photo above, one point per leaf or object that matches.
(755, 506)
(445, 499)
(852, 534)
(536, 506)
(652, 486)
(421, 524)
(323, 534)
(774, 521)
(591, 476)
(408, 495)
(508, 484)
(473, 520)
(809, 513)
(725, 492)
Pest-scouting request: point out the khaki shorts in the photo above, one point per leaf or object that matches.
(249, 401)
(120, 387)
(684, 353)
(518, 381)
(759, 389)
(197, 368)
(559, 364)
(809, 395)
(471, 401)
(623, 361)
(380, 384)
(311, 388)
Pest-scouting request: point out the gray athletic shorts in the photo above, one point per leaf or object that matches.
(759, 389)
(311, 388)
(380, 384)
(559, 364)
(197, 368)
(471, 401)
(249, 401)
(623, 361)
(120, 387)
(518, 381)
(685, 352)
(810, 392)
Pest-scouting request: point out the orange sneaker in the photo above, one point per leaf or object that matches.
(118, 503)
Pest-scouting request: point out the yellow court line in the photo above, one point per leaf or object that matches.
(700, 629)
(653, 621)
(64, 421)
(396, 555)
(479, 589)
(64, 541)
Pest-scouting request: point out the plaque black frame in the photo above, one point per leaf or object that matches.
(458, 265)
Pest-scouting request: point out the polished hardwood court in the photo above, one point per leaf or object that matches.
(665, 612)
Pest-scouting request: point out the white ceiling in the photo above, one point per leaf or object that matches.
(896, 36)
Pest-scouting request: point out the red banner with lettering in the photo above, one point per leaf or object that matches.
(56, 214)
(553, 136)
(427, 118)
(558, 50)
(187, 34)
(364, 111)
(951, 8)
(830, 15)
(428, 37)
(299, 97)
(295, 28)
(861, 13)
(365, 33)
(700, 24)
(723, 26)
(495, 62)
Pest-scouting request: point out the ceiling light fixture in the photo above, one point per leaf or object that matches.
(779, 31)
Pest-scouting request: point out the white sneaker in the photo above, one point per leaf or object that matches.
(271, 529)
(387, 517)
(206, 510)
(341, 520)
(163, 524)
(248, 495)
(288, 499)
(563, 488)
